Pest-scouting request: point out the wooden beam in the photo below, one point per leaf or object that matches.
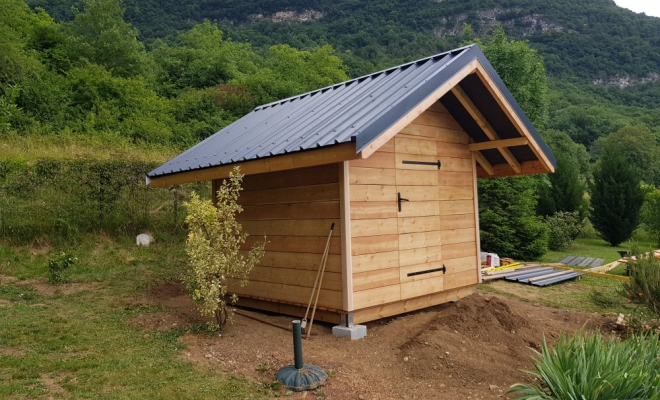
(513, 116)
(497, 144)
(418, 110)
(346, 248)
(527, 168)
(598, 274)
(484, 125)
(475, 198)
(483, 162)
(302, 159)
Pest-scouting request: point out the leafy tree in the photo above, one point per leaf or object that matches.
(100, 35)
(561, 143)
(200, 58)
(213, 246)
(507, 221)
(650, 212)
(639, 146)
(287, 72)
(616, 197)
(562, 191)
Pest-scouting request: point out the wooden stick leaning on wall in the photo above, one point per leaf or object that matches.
(324, 259)
(318, 291)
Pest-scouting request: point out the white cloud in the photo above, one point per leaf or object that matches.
(650, 7)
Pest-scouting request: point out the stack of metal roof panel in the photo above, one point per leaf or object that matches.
(587, 262)
(541, 276)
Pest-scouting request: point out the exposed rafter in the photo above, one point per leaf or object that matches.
(483, 163)
(485, 126)
(498, 144)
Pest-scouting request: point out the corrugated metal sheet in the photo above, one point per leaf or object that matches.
(358, 110)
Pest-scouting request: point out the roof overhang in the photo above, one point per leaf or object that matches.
(504, 141)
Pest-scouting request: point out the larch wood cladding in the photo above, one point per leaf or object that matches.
(436, 227)
(294, 210)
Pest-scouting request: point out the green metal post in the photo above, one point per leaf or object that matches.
(297, 344)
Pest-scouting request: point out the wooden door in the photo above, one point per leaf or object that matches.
(418, 217)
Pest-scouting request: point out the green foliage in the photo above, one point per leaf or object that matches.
(562, 191)
(591, 368)
(563, 228)
(58, 265)
(507, 221)
(63, 199)
(644, 285)
(100, 35)
(640, 147)
(213, 247)
(287, 72)
(616, 197)
(650, 212)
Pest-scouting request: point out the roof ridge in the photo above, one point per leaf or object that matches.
(361, 78)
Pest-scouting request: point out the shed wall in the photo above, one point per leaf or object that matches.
(294, 209)
(436, 227)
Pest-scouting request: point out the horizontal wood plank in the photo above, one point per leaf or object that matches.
(455, 193)
(418, 208)
(295, 277)
(451, 207)
(456, 150)
(374, 244)
(375, 279)
(323, 174)
(376, 296)
(295, 194)
(299, 261)
(295, 244)
(461, 279)
(457, 221)
(373, 193)
(289, 293)
(371, 176)
(422, 287)
(411, 146)
(464, 235)
(297, 211)
(422, 255)
(458, 250)
(291, 227)
(419, 224)
(380, 159)
(375, 261)
(418, 240)
(373, 209)
(440, 120)
(373, 227)
(453, 164)
(448, 178)
(417, 178)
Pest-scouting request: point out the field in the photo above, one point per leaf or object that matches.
(124, 328)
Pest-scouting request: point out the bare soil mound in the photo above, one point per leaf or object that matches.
(471, 349)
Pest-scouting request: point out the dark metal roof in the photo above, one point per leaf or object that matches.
(357, 110)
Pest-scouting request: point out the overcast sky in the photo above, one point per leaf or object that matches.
(650, 7)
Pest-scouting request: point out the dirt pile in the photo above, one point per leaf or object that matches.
(472, 349)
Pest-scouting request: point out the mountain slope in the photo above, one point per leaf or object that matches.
(591, 40)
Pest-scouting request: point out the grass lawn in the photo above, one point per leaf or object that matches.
(596, 248)
(83, 345)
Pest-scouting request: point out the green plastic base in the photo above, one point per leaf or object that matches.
(309, 377)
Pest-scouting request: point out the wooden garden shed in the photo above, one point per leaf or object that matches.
(392, 158)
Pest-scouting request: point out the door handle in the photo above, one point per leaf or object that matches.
(400, 199)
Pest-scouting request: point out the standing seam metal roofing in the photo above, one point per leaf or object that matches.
(356, 110)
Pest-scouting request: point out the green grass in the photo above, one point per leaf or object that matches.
(596, 248)
(84, 345)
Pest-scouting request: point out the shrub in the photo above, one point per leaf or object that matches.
(650, 212)
(57, 266)
(213, 247)
(588, 368)
(563, 229)
(644, 285)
